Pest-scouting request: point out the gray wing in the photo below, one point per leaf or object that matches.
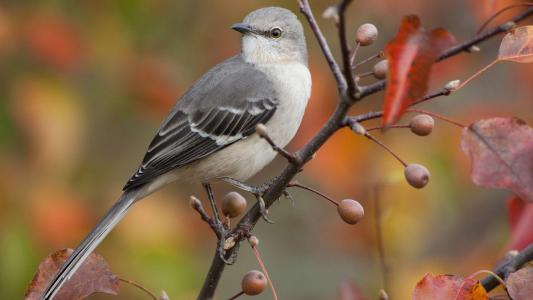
(224, 106)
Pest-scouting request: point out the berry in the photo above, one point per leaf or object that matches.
(366, 34)
(381, 69)
(422, 124)
(416, 175)
(350, 211)
(254, 283)
(233, 204)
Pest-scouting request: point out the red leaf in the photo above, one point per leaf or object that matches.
(411, 55)
(94, 276)
(515, 208)
(501, 151)
(520, 284)
(520, 215)
(449, 287)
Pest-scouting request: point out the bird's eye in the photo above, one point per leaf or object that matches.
(275, 33)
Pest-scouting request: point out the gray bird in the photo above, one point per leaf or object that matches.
(210, 132)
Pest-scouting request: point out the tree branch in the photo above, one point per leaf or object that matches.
(335, 69)
(345, 50)
(523, 257)
(336, 121)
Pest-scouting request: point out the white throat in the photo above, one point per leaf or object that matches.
(259, 50)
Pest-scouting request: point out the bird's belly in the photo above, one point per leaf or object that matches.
(248, 156)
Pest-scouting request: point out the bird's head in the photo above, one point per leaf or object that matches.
(272, 35)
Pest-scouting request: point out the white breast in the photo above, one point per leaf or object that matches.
(293, 83)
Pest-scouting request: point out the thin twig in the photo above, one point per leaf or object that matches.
(263, 133)
(312, 190)
(196, 204)
(237, 295)
(345, 50)
(335, 69)
(262, 264)
(353, 54)
(523, 257)
(467, 81)
(373, 139)
(380, 54)
(391, 126)
(135, 284)
(364, 74)
(379, 236)
(443, 92)
(496, 14)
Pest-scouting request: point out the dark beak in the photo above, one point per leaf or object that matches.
(242, 28)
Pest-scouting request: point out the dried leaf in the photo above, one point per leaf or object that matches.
(501, 151)
(520, 215)
(411, 55)
(446, 287)
(94, 276)
(520, 284)
(517, 45)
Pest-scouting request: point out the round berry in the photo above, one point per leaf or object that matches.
(422, 124)
(233, 204)
(253, 283)
(366, 34)
(381, 69)
(350, 211)
(416, 175)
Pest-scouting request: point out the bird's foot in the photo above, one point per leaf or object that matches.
(258, 192)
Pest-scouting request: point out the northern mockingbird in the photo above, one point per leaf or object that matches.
(210, 132)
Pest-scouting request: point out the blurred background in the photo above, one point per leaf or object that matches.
(85, 84)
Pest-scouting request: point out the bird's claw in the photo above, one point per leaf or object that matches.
(263, 210)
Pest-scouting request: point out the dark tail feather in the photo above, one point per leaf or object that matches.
(106, 224)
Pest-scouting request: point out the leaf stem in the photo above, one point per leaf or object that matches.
(476, 74)
(237, 295)
(380, 54)
(139, 287)
(373, 139)
(310, 189)
(262, 264)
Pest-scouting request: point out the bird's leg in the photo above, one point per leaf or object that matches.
(218, 226)
(212, 202)
(257, 191)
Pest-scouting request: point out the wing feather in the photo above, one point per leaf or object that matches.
(223, 107)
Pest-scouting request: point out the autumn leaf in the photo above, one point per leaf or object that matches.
(94, 276)
(520, 215)
(501, 152)
(517, 45)
(446, 287)
(411, 55)
(520, 284)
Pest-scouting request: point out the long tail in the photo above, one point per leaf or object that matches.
(106, 224)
